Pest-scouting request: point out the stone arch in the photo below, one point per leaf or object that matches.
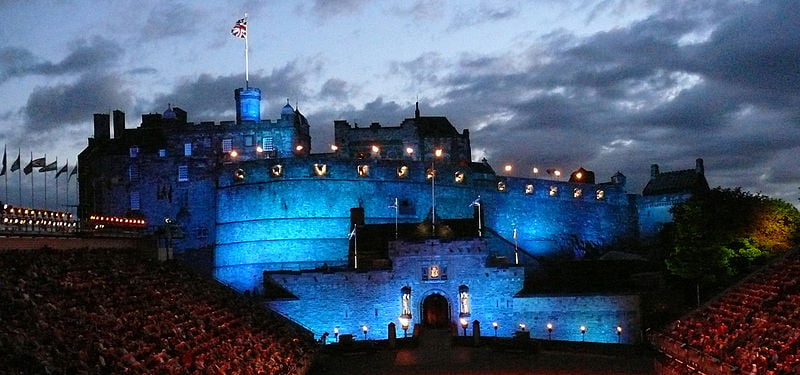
(436, 310)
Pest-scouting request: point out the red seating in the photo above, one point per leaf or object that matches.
(104, 311)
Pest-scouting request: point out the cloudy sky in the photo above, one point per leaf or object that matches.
(610, 85)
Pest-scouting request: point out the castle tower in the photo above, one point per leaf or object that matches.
(248, 104)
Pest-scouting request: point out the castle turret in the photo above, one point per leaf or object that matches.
(248, 104)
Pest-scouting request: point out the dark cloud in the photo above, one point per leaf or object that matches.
(483, 13)
(210, 98)
(96, 54)
(335, 89)
(326, 8)
(718, 81)
(170, 19)
(56, 107)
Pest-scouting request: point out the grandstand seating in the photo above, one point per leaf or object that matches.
(752, 328)
(115, 312)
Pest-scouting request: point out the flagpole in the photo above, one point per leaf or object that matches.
(45, 181)
(57, 183)
(67, 193)
(32, 177)
(19, 168)
(5, 171)
(246, 58)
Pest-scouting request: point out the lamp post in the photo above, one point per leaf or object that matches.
(549, 331)
(583, 333)
(336, 333)
(404, 325)
(619, 334)
(436, 153)
(464, 324)
(364, 329)
(494, 325)
(507, 168)
(477, 202)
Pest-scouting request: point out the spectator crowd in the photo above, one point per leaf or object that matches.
(752, 328)
(119, 312)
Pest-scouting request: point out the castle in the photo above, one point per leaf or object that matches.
(443, 239)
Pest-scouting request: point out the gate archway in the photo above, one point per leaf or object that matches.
(436, 311)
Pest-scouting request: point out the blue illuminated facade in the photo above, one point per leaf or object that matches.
(274, 213)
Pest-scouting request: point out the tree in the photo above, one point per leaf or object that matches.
(721, 234)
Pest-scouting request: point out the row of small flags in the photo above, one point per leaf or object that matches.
(40, 163)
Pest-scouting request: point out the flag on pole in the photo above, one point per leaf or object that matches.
(62, 170)
(3, 171)
(476, 202)
(239, 29)
(35, 163)
(352, 234)
(15, 164)
(74, 172)
(49, 167)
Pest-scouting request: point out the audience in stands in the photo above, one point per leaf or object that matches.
(115, 312)
(753, 328)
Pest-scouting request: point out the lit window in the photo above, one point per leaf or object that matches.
(459, 177)
(183, 173)
(276, 170)
(577, 193)
(162, 153)
(248, 141)
(227, 145)
(134, 200)
(501, 186)
(553, 191)
(600, 194)
(363, 170)
(187, 149)
(528, 189)
(463, 300)
(320, 169)
(402, 171)
(238, 175)
(134, 151)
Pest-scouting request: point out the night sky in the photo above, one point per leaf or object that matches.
(605, 85)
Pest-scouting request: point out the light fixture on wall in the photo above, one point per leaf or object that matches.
(464, 324)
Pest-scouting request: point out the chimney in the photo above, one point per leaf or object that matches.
(102, 126)
(698, 166)
(653, 170)
(119, 123)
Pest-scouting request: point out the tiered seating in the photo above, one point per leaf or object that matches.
(753, 328)
(103, 311)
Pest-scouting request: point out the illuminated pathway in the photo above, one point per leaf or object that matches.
(435, 355)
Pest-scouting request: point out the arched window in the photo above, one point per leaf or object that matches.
(463, 300)
(406, 307)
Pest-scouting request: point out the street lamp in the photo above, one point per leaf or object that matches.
(507, 168)
(404, 325)
(535, 171)
(583, 333)
(375, 149)
(336, 333)
(522, 327)
(494, 325)
(549, 331)
(619, 334)
(234, 154)
(464, 324)
(437, 153)
(334, 148)
(364, 329)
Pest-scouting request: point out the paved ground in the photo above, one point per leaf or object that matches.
(436, 355)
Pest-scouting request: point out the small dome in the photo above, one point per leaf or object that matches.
(169, 113)
(287, 110)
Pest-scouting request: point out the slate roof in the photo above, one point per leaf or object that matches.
(435, 126)
(675, 182)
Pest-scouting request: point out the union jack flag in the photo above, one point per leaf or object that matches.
(239, 30)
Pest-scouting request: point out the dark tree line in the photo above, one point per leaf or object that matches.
(723, 234)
